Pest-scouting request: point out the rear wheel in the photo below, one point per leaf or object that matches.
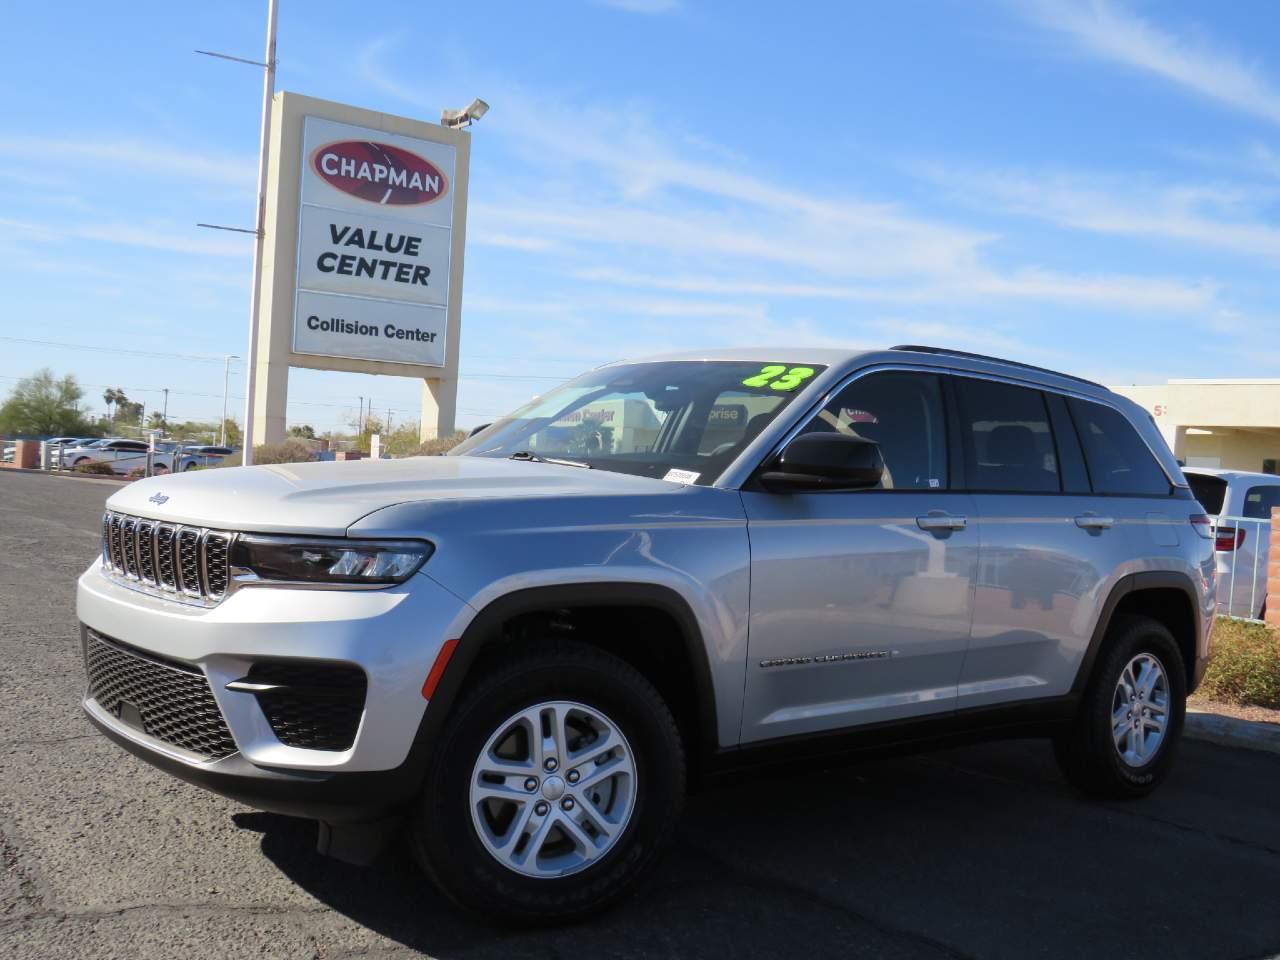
(558, 781)
(1126, 733)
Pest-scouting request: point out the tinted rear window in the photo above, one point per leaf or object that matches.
(1259, 501)
(1008, 443)
(1210, 491)
(1118, 460)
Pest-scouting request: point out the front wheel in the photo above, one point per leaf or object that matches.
(558, 781)
(1124, 737)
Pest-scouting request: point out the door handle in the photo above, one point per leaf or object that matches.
(1091, 521)
(940, 521)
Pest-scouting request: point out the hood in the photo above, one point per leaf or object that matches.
(326, 498)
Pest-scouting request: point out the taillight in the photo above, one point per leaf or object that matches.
(1226, 539)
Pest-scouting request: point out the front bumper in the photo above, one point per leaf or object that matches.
(393, 635)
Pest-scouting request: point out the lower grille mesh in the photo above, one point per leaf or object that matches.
(172, 699)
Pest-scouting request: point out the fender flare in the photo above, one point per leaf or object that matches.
(1133, 583)
(594, 594)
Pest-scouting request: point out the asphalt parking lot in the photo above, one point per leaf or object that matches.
(974, 852)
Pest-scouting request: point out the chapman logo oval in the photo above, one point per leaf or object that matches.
(379, 172)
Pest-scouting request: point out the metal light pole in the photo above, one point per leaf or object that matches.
(164, 416)
(226, 377)
(251, 364)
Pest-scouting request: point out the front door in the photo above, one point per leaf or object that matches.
(861, 601)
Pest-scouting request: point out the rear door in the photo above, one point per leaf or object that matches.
(1050, 551)
(861, 601)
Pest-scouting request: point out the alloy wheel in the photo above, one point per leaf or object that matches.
(553, 789)
(1140, 710)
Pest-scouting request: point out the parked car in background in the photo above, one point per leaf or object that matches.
(61, 445)
(1239, 504)
(121, 453)
(11, 448)
(204, 455)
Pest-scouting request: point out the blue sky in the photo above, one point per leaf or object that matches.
(1086, 185)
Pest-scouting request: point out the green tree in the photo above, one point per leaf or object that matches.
(156, 420)
(234, 435)
(43, 404)
(304, 430)
(127, 411)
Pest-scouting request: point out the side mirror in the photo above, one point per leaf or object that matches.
(825, 461)
(475, 430)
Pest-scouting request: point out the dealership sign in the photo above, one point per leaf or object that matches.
(374, 245)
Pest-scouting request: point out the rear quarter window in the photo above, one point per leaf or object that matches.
(1118, 459)
(1210, 491)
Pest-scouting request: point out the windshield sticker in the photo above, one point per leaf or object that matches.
(777, 376)
(681, 476)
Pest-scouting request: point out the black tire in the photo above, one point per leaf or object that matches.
(444, 838)
(80, 460)
(1088, 754)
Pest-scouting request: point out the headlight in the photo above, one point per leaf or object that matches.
(302, 560)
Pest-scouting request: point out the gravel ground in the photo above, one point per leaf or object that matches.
(1255, 714)
(974, 852)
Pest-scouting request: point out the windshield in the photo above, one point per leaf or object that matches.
(681, 420)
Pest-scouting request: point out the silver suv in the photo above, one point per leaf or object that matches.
(662, 572)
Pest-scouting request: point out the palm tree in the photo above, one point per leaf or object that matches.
(109, 397)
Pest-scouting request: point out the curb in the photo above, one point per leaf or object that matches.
(1230, 732)
(68, 475)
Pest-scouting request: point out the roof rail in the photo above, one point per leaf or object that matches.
(945, 352)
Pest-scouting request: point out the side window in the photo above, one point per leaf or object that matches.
(1259, 501)
(903, 413)
(1007, 439)
(1118, 460)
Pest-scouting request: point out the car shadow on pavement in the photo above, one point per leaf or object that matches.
(978, 852)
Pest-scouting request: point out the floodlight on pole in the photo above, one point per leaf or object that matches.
(457, 119)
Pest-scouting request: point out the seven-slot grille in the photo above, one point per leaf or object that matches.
(187, 563)
(170, 700)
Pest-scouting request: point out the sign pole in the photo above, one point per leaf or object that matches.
(268, 91)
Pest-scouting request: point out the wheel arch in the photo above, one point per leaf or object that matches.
(687, 680)
(1168, 597)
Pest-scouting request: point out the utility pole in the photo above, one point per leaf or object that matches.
(360, 418)
(226, 376)
(164, 415)
(268, 90)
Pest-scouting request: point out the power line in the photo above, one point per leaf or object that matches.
(197, 358)
(93, 348)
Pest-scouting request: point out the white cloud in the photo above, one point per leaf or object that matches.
(641, 6)
(1035, 284)
(163, 236)
(1209, 215)
(612, 197)
(132, 156)
(1109, 31)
